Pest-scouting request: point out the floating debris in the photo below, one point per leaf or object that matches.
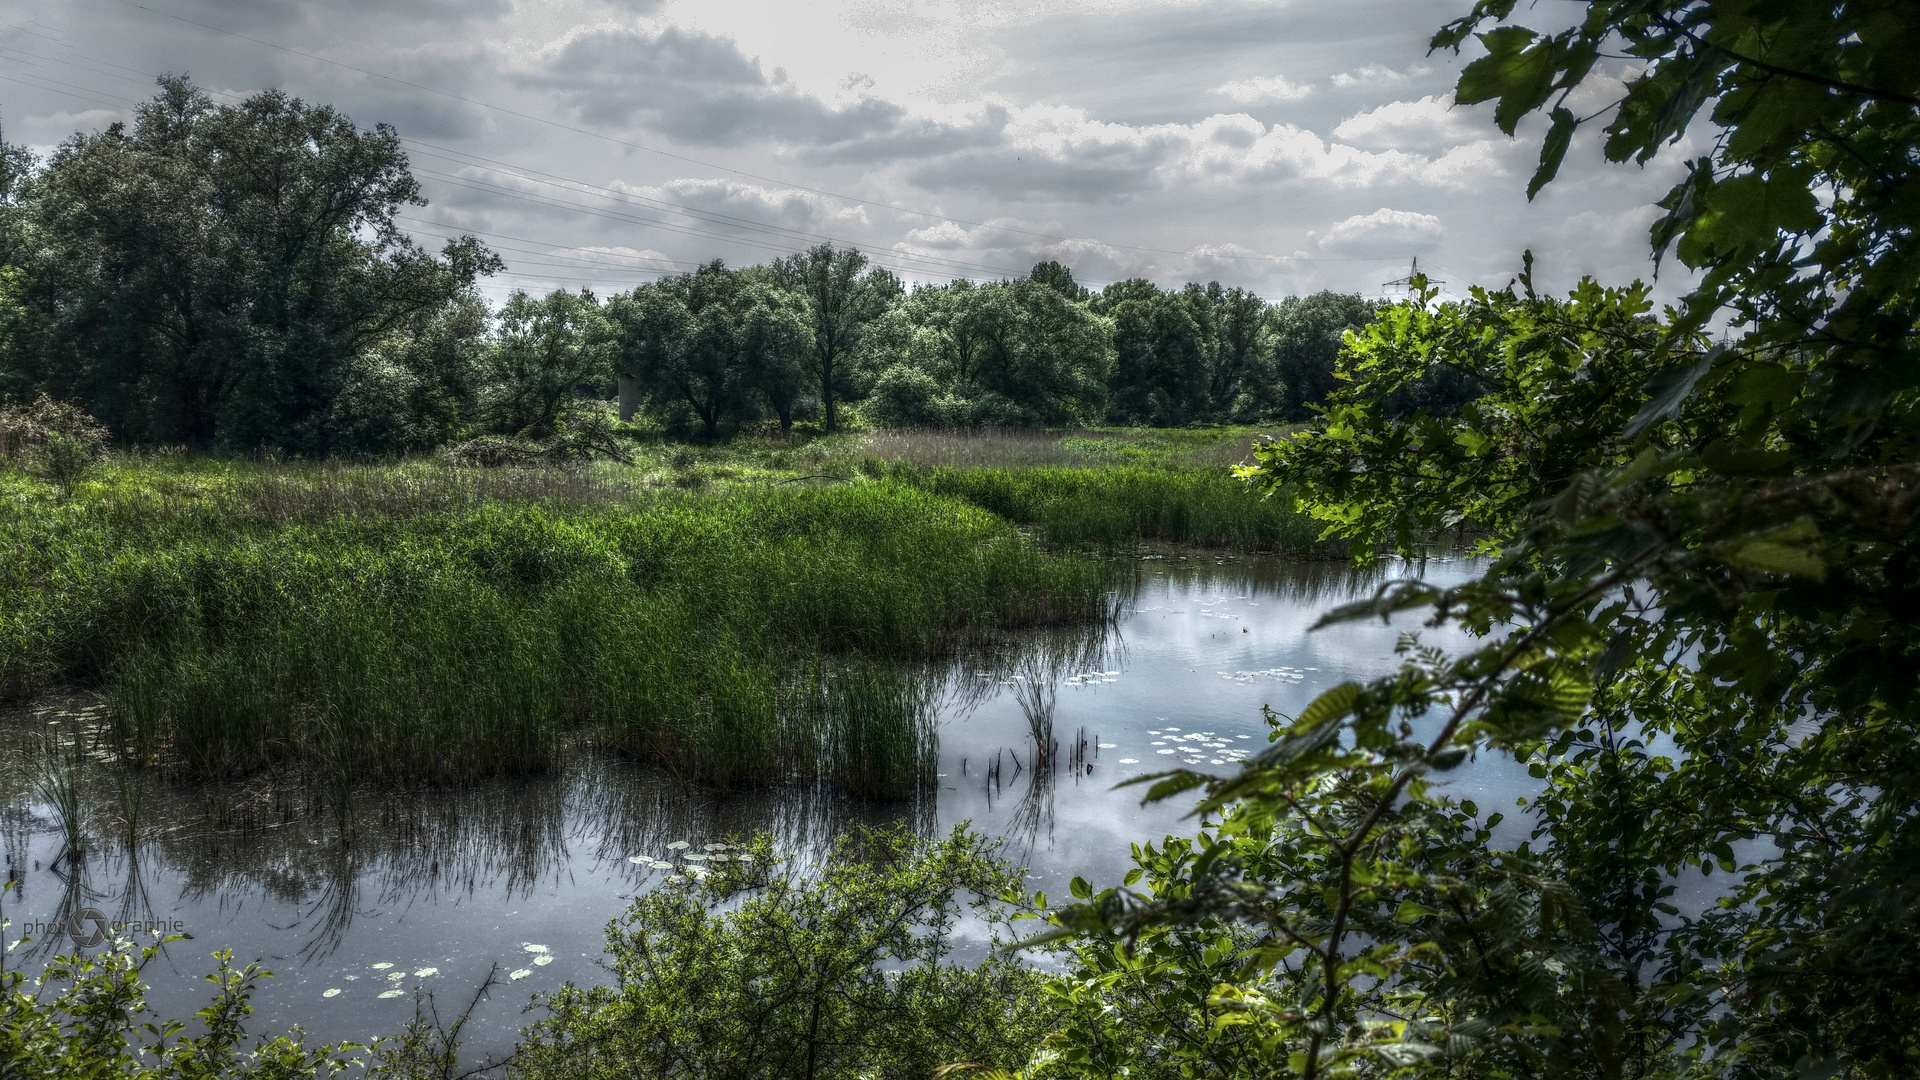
(331, 993)
(1129, 761)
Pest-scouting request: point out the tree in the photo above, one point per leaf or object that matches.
(1696, 626)
(714, 338)
(212, 277)
(1240, 367)
(546, 354)
(758, 969)
(1160, 370)
(842, 302)
(1307, 332)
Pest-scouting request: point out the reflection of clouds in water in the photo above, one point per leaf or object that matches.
(455, 879)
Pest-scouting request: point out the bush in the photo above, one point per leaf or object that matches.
(92, 1026)
(757, 969)
(902, 397)
(57, 441)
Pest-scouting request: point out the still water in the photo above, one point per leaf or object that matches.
(523, 876)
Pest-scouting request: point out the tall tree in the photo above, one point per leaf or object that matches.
(713, 339)
(1160, 356)
(211, 277)
(1308, 332)
(842, 300)
(546, 354)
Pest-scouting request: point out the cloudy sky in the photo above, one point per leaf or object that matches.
(1285, 146)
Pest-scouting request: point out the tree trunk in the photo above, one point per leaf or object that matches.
(826, 392)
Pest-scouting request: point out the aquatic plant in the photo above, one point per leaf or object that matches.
(1119, 506)
(393, 633)
(61, 783)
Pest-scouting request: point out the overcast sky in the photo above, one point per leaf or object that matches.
(1285, 146)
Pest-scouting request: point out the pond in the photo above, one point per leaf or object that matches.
(522, 876)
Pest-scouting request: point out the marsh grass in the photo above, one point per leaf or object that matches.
(61, 782)
(1119, 506)
(415, 625)
(1201, 448)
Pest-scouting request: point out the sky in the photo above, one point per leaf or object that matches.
(1286, 146)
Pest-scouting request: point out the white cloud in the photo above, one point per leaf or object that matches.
(1383, 233)
(1374, 75)
(1427, 124)
(1207, 130)
(1264, 88)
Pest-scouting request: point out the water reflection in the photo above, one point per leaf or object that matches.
(1034, 733)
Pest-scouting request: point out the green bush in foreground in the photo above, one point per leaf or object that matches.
(83, 1017)
(762, 970)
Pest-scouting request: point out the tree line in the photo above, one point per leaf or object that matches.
(235, 277)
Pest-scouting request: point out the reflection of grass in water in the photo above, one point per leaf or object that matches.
(1037, 695)
(60, 782)
(390, 633)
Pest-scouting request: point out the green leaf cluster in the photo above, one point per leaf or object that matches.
(762, 967)
(1696, 626)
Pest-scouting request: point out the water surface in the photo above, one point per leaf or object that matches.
(441, 887)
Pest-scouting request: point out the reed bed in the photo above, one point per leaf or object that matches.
(1200, 448)
(1117, 506)
(420, 624)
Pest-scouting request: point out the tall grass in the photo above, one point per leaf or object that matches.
(1115, 506)
(434, 636)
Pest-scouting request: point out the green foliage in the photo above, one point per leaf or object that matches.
(1008, 354)
(841, 301)
(760, 968)
(1696, 629)
(713, 340)
(1117, 506)
(54, 439)
(547, 354)
(399, 635)
(1308, 333)
(218, 276)
(82, 1019)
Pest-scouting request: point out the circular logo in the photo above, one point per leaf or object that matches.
(79, 923)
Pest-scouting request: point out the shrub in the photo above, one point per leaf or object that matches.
(758, 969)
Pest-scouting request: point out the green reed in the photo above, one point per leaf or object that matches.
(1120, 505)
(397, 638)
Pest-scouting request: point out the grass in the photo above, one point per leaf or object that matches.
(414, 623)
(1117, 506)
